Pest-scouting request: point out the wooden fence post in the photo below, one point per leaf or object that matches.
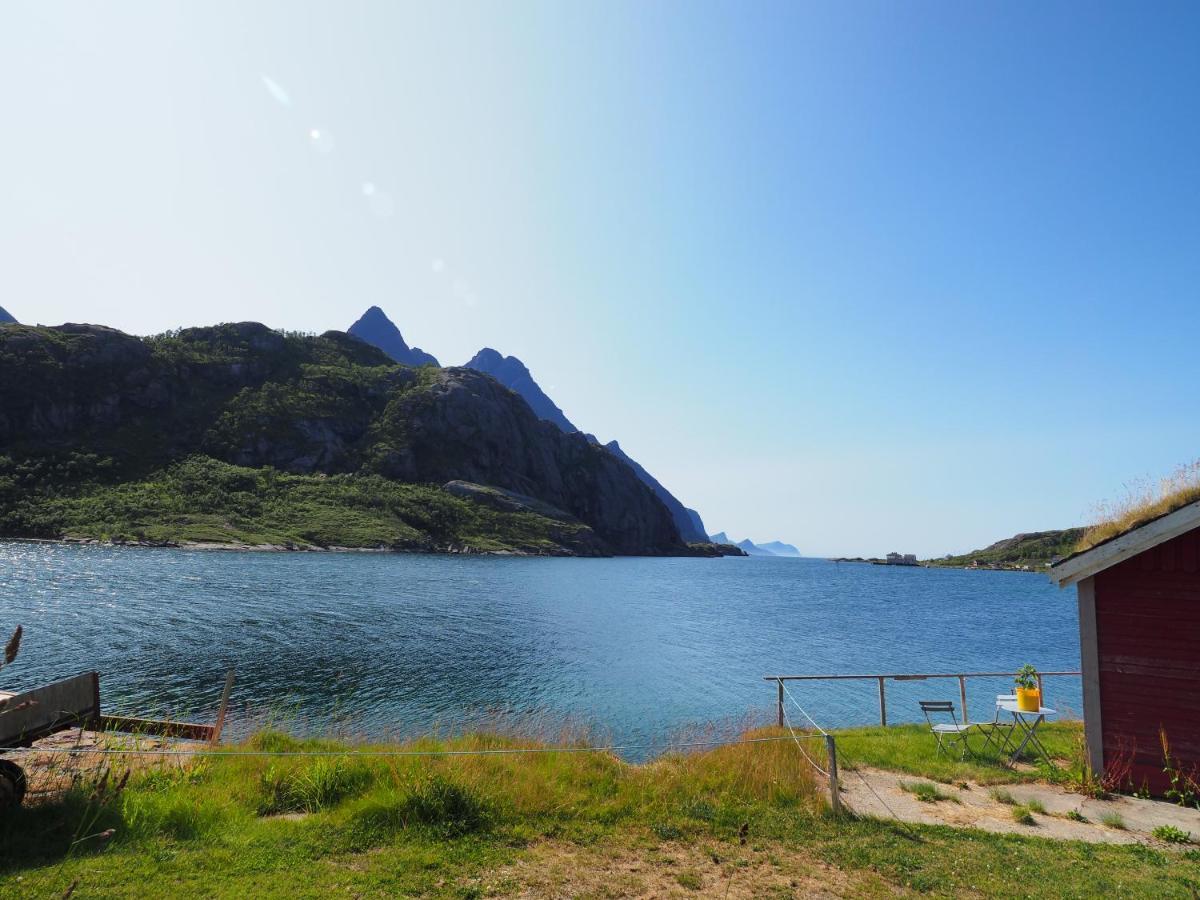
(962, 695)
(835, 800)
(882, 703)
(223, 708)
(779, 704)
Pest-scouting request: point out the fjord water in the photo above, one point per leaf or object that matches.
(641, 650)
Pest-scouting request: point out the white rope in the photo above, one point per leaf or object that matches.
(803, 711)
(849, 763)
(792, 732)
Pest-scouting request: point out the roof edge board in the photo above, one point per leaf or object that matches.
(1131, 543)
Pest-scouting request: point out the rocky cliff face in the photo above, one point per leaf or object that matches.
(466, 425)
(687, 521)
(378, 330)
(512, 373)
(247, 395)
(5, 316)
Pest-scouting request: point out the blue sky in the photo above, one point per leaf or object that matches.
(863, 277)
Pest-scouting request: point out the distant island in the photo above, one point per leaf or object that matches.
(1027, 552)
(1032, 551)
(238, 435)
(892, 559)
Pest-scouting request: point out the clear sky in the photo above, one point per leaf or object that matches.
(859, 276)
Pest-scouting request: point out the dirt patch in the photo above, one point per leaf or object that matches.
(1067, 816)
(704, 869)
(50, 769)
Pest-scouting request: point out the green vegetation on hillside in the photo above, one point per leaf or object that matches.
(203, 500)
(746, 820)
(1034, 550)
(240, 433)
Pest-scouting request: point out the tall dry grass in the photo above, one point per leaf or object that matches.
(1143, 501)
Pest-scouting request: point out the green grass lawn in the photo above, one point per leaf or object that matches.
(751, 817)
(912, 749)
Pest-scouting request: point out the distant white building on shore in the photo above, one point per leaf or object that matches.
(907, 559)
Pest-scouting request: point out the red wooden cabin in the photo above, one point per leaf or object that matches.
(1139, 635)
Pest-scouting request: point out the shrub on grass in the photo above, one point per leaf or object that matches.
(435, 802)
(1172, 835)
(1035, 805)
(447, 806)
(1076, 816)
(310, 788)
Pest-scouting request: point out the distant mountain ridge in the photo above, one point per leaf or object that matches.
(514, 375)
(691, 528)
(378, 330)
(772, 548)
(6, 317)
(779, 548)
(224, 412)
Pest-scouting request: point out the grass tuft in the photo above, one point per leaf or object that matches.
(690, 880)
(1000, 795)
(1143, 501)
(310, 788)
(1113, 820)
(926, 792)
(1022, 816)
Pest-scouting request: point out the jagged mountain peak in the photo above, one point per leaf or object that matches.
(378, 330)
(515, 375)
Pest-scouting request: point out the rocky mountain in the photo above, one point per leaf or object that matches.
(779, 548)
(84, 405)
(377, 329)
(773, 548)
(688, 522)
(752, 549)
(5, 316)
(512, 373)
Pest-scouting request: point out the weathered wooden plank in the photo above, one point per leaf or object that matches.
(157, 727)
(72, 702)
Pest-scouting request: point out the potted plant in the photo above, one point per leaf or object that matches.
(1029, 695)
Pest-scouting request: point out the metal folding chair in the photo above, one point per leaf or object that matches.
(948, 734)
(998, 732)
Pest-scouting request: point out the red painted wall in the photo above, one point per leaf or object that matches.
(1148, 636)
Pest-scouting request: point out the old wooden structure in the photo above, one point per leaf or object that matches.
(1139, 634)
(75, 703)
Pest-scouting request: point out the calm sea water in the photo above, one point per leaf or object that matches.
(639, 649)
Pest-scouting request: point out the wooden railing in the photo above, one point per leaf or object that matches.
(882, 680)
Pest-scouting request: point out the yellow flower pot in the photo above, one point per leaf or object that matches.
(1029, 699)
